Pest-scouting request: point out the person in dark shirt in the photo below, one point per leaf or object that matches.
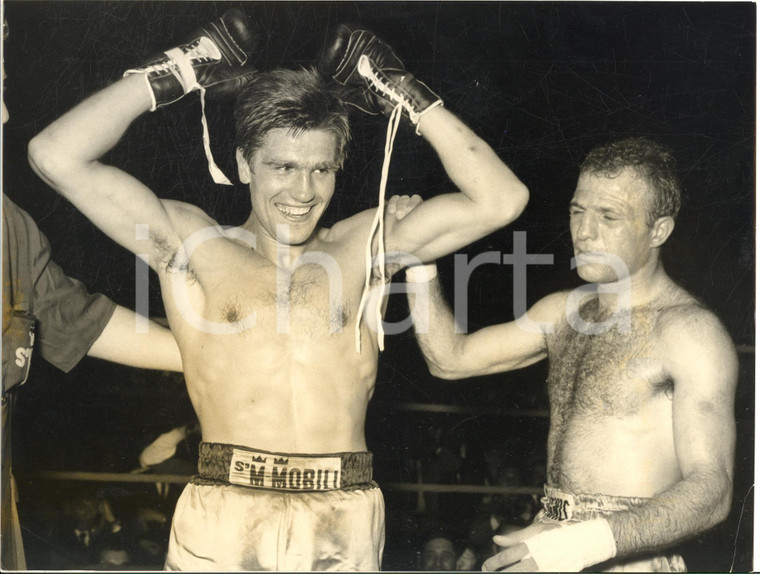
(49, 314)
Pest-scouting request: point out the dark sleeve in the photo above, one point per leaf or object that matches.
(69, 319)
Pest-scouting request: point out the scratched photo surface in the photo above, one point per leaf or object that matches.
(542, 83)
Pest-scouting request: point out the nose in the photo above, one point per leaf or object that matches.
(585, 227)
(303, 188)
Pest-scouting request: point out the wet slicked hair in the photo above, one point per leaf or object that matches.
(651, 160)
(297, 100)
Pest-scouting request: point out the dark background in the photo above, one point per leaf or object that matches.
(541, 82)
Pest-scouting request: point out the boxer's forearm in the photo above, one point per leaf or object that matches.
(687, 508)
(473, 166)
(434, 328)
(66, 155)
(124, 341)
(88, 131)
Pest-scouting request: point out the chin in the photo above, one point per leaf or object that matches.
(296, 233)
(597, 273)
(300, 237)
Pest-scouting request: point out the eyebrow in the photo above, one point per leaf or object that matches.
(598, 209)
(282, 161)
(279, 161)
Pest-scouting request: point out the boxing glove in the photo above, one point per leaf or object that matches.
(215, 58)
(371, 76)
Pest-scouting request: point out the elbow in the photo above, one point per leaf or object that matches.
(48, 159)
(42, 157)
(445, 360)
(520, 202)
(446, 370)
(446, 375)
(721, 506)
(510, 205)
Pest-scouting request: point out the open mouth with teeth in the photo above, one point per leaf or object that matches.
(294, 212)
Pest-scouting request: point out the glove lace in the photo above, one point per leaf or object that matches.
(365, 69)
(202, 51)
(216, 173)
(378, 227)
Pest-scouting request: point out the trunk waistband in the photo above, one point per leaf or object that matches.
(243, 466)
(559, 505)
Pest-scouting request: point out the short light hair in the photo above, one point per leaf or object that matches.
(651, 160)
(298, 100)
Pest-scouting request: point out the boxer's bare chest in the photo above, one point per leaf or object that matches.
(234, 288)
(611, 398)
(612, 373)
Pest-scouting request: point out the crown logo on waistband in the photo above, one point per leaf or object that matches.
(282, 460)
(259, 459)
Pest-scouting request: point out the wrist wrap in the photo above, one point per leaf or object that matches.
(572, 547)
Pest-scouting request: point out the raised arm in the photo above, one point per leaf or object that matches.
(373, 79)
(495, 349)
(491, 196)
(67, 153)
(66, 156)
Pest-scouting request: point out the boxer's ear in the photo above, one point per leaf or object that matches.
(244, 170)
(661, 230)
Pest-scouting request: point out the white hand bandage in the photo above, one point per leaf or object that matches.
(573, 547)
(421, 273)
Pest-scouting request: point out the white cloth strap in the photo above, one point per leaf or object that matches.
(421, 273)
(185, 67)
(572, 547)
(189, 83)
(216, 173)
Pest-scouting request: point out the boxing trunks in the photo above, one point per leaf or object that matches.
(257, 510)
(559, 506)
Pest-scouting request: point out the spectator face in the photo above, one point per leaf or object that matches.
(84, 512)
(439, 554)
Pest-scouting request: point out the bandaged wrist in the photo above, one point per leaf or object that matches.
(421, 273)
(573, 547)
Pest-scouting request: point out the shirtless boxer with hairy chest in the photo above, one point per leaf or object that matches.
(641, 382)
(264, 314)
(614, 384)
